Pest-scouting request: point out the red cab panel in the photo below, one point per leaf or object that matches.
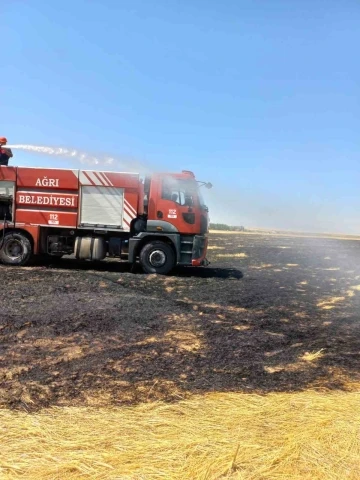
(174, 198)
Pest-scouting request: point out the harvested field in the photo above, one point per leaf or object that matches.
(272, 315)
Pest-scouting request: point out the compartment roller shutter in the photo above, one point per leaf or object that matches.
(102, 206)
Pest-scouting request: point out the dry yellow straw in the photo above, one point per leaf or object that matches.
(303, 436)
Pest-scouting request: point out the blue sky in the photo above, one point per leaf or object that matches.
(259, 97)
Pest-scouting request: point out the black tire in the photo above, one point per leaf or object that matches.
(16, 249)
(157, 257)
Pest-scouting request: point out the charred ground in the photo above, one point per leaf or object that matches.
(74, 335)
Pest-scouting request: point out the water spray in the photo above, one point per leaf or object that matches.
(85, 158)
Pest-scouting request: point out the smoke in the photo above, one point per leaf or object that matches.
(89, 159)
(237, 207)
(259, 209)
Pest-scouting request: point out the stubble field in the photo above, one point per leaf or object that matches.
(207, 373)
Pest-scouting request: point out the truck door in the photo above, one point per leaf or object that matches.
(177, 203)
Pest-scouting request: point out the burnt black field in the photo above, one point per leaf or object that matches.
(79, 334)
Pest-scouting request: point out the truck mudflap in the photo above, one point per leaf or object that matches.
(199, 251)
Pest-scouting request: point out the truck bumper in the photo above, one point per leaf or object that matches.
(200, 263)
(199, 251)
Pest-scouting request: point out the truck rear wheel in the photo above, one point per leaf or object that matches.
(157, 257)
(16, 249)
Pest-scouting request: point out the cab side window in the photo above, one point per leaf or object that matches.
(176, 192)
(173, 191)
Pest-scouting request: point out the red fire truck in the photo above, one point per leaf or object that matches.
(159, 220)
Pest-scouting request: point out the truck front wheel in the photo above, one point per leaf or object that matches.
(16, 249)
(157, 257)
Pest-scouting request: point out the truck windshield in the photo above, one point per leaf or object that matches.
(182, 192)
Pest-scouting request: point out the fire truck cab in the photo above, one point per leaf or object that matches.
(160, 221)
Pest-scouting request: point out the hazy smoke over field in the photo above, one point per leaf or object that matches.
(230, 205)
(283, 211)
(87, 158)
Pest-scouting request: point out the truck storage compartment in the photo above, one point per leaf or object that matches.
(6, 200)
(90, 248)
(102, 206)
(5, 208)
